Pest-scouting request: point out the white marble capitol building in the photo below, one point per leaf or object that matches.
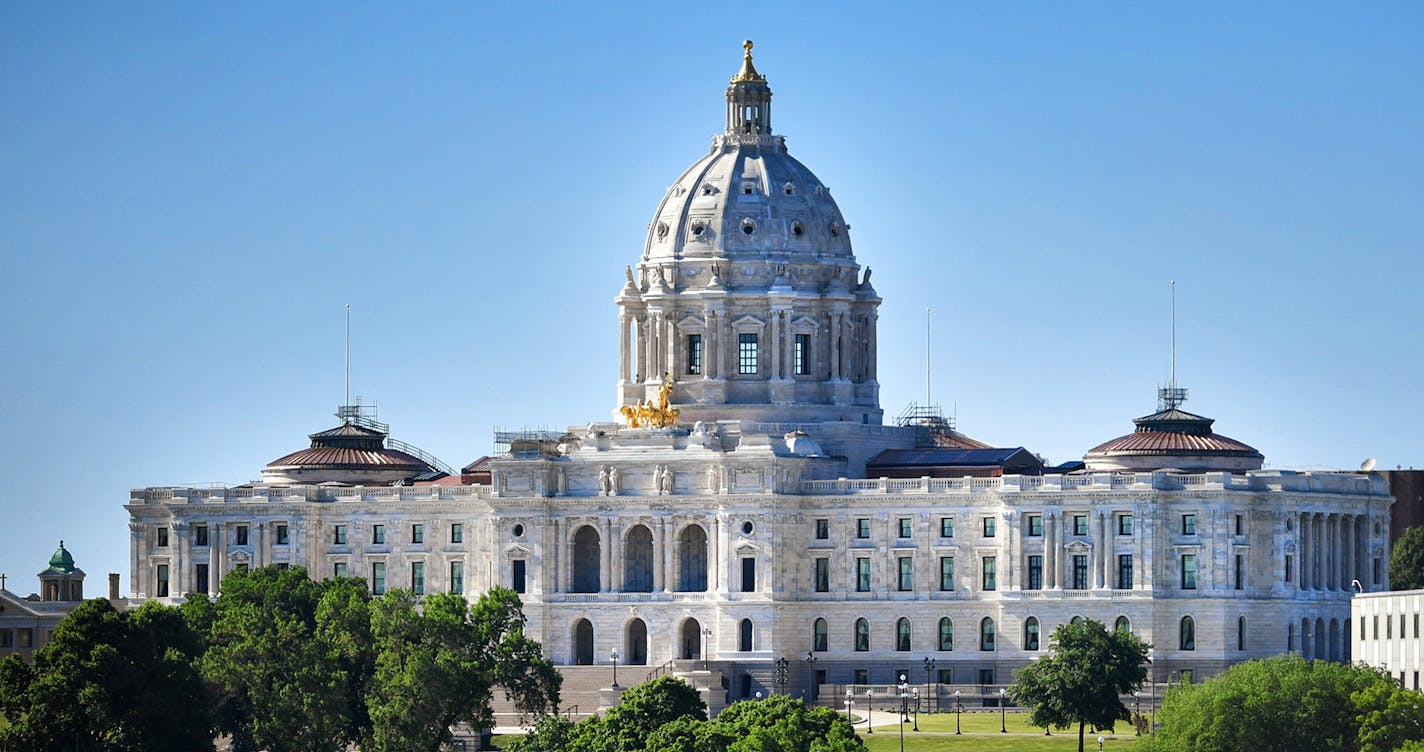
(747, 502)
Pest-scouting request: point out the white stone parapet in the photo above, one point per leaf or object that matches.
(1283, 481)
(221, 495)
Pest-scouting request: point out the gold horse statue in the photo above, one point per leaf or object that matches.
(647, 415)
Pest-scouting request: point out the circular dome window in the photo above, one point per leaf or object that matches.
(797, 229)
(697, 228)
(519, 531)
(835, 230)
(748, 227)
(662, 230)
(747, 527)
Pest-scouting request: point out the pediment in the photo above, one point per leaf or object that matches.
(748, 322)
(805, 322)
(744, 546)
(517, 550)
(1078, 547)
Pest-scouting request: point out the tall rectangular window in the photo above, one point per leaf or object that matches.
(457, 533)
(1289, 561)
(800, 354)
(417, 577)
(1240, 524)
(417, 533)
(748, 575)
(823, 529)
(378, 534)
(1124, 523)
(694, 353)
(457, 577)
(1189, 571)
(946, 573)
(200, 578)
(990, 526)
(1240, 573)
(904, 527)
(1189, 524)
(907, 573)
(518, 575)
(161, 581)
(862, 575)
(338, 569)
(378, 577)
(946, 527)
(283, 536)
(240, 535)
(1035, 526)
(746, 353)
(338, 535)
(1124, 571)
(1035, 572)
(1080, 571)
(862, 527)
(200, 535)
(823, 575)
(1080, 524)
(990, 572)
(160, 537)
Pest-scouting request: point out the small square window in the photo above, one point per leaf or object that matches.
(1035, 525)
(823, 529)
(417, 533)
(161, 537)
(200, 535)
(946, 527)
(1080, 524)
(378, 534)
(1189, 524)
(862, 528)
(904, 527)
(1124, 523)
(990, 526)
(283, 536)
(457, 533)
(240, 535)
(338, 569)
(339, 535)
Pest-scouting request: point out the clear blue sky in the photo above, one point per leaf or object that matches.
(193, 192)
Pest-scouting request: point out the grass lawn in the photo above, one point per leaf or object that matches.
(981, 732)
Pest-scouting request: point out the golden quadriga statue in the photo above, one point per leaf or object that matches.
(648, 415)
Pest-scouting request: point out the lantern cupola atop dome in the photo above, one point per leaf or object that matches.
(747, 296)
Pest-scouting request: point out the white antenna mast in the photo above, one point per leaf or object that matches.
(1170, 396)
(348, 355)
(1174, 334)
(927, 357)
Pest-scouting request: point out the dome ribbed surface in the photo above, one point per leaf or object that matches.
(351, 447)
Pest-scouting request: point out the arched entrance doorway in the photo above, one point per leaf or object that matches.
(691, 640)
(583, 643)
(638, 561)
(637, 643)
(585, 577)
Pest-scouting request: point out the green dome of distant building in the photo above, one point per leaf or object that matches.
(62, 562)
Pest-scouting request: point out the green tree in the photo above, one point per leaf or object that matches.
(641, 710)
(439, 662)
(783, 724)
(1083, 677)
(1388, 716)
(1406, 561)
(285, 687)
(108, 681)
(1278, 704)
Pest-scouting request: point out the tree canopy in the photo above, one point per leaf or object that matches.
(1082, 679)
(1286, 703)
(1406, 560)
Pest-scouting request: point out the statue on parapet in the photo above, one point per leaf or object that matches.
(644, 414)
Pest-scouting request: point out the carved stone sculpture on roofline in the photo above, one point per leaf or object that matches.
(648, 415)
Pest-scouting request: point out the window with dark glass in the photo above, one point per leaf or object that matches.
(1080, 571)
(823, 529)
(200, 578)
(906, 580)
(946, 634)
(1124, 524)
(517, 573)
(1187, 639)
(338, 535)
(1124, 571)
(820, 636)
(240, 535)
(902, 635)
(457, 577)
(338, 569)
(417, 577)
(746, 353)
(748, 575)
(862, 635)
(862, 575)
(823, 575)
(990, 526)
(986, 634)
(378, 577)
(946, 573)
(1080, 524)
(1189, 571)
(1240, 524)
(1288, 567)
(1189, 524)
(161, 581)
(1031, 633)
(457, 533)
(946, 527)
(990, 572)
(862, 527)
(417, 533)
(1035, 572)
(161, 537)
(1239, 578)
(800, 354)
(200, 535)
(904, 527)
(378, 534)
(694, 353)
(1035, 525)
(283, 536)
(744, 640)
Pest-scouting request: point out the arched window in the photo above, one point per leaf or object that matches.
(1290, 637)
(1241, 633)
(692, 560)
(1031, 633)
(1076, 620)
(902, 635)
(862, 635)
(819, 636)
(986, 634)
(1187, 636)
(745, 643)
(1123, 624)
(638, 560)
(586, 558)
(946, 634)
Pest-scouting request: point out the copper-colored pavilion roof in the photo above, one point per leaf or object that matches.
(351, 447)
(1174, 431)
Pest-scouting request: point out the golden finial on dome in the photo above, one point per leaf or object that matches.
(748, 73)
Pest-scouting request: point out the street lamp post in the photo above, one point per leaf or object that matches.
(869, 711)
(811, 663)
(782, 669)
(613, 654)
(1003, 711)
(958, 707)
(706, 648)
(903, 697)
(1137, 722)
(849, 701)
(929, 671)
(915, 694)
(758, 695)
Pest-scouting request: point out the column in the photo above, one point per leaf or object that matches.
(660, 556)
(640, 329)
(774, 341)
(1303, 551)
(1349, 544)
(1049, 581)
(669, 347)
(1010, 551)
(1060, 561)
(1104, 543)
(1335, 558)
(605, 579)
(709, 344)
(872, 346)
(1322, 539)
(1140, 578)
(835, 346)
(624, 355)
(136, 559)
(719, 577)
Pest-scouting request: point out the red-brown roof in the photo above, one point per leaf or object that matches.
(354, 459)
